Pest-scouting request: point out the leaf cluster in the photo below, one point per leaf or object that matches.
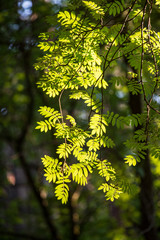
(75, 63)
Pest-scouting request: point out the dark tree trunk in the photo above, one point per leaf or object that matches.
(146, 196)
(148, 228)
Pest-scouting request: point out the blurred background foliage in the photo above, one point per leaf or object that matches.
(28, 208)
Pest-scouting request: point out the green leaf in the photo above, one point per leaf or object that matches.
(130, 160)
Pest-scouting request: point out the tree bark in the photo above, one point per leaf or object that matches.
(146, 195)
